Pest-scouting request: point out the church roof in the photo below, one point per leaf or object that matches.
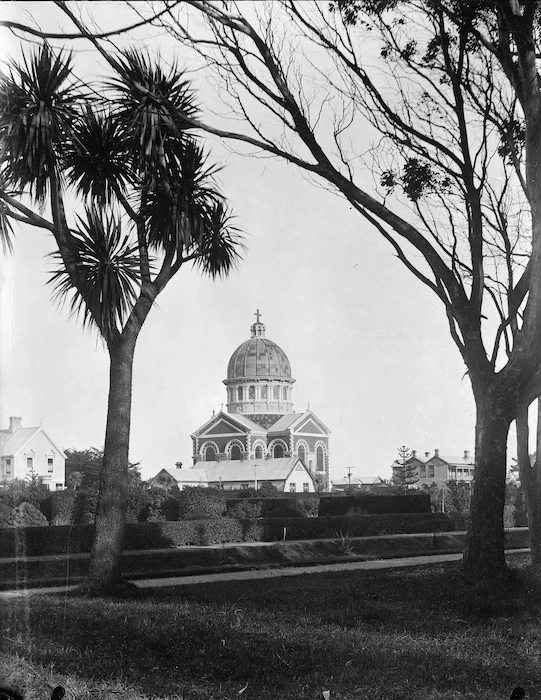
(285, 422)
(258, 357)
(245, 470)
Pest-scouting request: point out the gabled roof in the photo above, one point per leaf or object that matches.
(12, 443)
(358, 481)
(285, 422)
(195, 476)
(245, 470)
(235, 418)
(455, 461)
(294, 421)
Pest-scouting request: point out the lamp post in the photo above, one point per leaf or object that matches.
(255, 467)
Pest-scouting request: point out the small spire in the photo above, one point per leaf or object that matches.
(213, 413)
(222, 407)
(308, 406)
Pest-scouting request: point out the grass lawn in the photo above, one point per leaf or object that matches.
(406, 633)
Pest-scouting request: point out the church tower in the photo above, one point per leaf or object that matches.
(259, 382)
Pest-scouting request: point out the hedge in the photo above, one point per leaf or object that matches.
(78, 538)
(362, 504)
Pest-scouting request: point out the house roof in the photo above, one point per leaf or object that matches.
(195, 476)
(12, 443)
(455, 461)
(245, 470)
(358, 481)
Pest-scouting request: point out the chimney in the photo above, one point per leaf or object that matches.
(436, 453)
(15, 424)
(413, 454)
(466, 455)
(427, 454)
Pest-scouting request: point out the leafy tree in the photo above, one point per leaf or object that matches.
(405, 473)
(453, 97)
(125, 150)
(201, 503)
(74, 480)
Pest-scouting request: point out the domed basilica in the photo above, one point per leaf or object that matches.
(260, 438)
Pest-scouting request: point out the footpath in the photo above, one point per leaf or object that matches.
(178, 566)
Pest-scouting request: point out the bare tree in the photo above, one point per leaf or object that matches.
(451, 94)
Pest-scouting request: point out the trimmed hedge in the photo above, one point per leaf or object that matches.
(155, 535)
(374, 504)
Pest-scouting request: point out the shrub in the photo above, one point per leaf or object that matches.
(374, 504)
(199, 503)
(64, 507)
(242, 510)
(26, 515)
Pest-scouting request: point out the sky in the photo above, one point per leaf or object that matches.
(368, 344)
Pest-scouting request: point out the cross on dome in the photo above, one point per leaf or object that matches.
(258, 328)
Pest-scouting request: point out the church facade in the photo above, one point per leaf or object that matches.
(260, 424)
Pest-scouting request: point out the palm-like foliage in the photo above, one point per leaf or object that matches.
(151, 206)
(97, 157)
(107, 273)
(39, 102)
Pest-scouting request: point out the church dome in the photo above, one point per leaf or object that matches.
(259, 358)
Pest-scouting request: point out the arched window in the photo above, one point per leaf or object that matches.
(301, 452)
(258, 454)
(210, 454)
(320, 459)
(263, 392)
(284, 393)
(278, 451)
(230, 395)
(251, 392)
(276, 392)
(235, 452)
(239, 393)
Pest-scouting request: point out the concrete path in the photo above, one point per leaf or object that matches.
(266, 573)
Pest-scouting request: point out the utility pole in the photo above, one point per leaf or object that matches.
(349, 475)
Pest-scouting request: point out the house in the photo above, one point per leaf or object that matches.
(367, 484)
(440, 469)
(25, 451)
(285, 473)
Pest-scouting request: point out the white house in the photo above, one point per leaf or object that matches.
(30, 450)
(286, 473)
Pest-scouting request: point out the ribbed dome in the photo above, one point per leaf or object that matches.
(259, 357)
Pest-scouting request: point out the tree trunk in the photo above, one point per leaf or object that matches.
(105, 563)
(530, 479)
(484, 556)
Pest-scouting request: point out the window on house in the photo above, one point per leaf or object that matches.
(258, 454)
(245, 486)
(8, 465)
(50, 464)
(430, 472)
(422, 472)
(306, 487)
(58, 487)
(292, 488)
(320, 459)
(30, 463)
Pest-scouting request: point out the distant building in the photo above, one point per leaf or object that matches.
(369, 484)
(287, 474)
(440, 469)
(25, 451)
(260, 425)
